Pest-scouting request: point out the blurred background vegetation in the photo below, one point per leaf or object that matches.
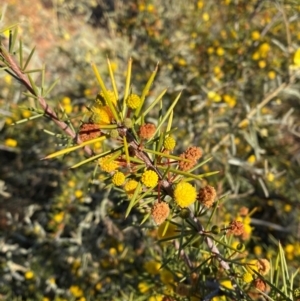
(237, 63)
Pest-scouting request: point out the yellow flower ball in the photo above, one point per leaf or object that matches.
(169, 143)
(210, 50)
(296, 58)
(130, 186)
(205, 17)
(76, 291)
(118, 178)
(184, 194)
(78, 193)
(287, 208)
(149, 178)
(101, 114)
(289, 248)
(143, 287)
(29, 275)
(252, 266)
(220, 51)
(58, 217)
(271, 74)
(166, 277)
(108, 165)
(247, 277)
(152, 267)
(262, 64)
(264, 50)
(133, 101)
(258, 250)
(26, 113)
(255, 56)
(66, 100)
(111, 95)
(255, 35)
(10, 142)
(68, 109)
(251, 159)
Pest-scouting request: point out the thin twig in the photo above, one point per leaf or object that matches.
(21, 77)
(266, 100)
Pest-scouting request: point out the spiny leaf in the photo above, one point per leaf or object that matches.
(127, 84)
(72, 148)
(149, 109)
(133, 199)
(167, 113)
(28, 119)
(116, 153)
(112, 78)
(34, 87)
(104, 90)
(146, 90)
(28, 59)
(45, 93)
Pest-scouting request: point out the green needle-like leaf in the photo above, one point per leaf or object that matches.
(146, 217)
(104, 90)
(34, 87)
(71, 149)
(112, 78)
(146, 90)
(149, 109)
(29, 118)
(45, 93)
(127, 84)
(21, 53)
(14, 38)
(10, 27)
(116, 153)
(133, 199)
(169, 126)
(126, 151)
(28, 59)
(167, 114)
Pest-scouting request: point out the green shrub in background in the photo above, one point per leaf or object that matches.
(78, 243)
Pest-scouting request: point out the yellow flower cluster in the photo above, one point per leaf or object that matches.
(255, 35)
(118, 178)
(152, 267)
(29, 275)
(169, 143)
(66, 103)
(133, 101)
(101, 99)
(78, 193)
(184, 194)
(108, 165)
(292, 250)
(130, 186)
(212, 95)
(58, 217)
(10, 142)
(230, 100)
(101, 114)
(149, 178)
(296, 58)
(76, 291)
(247, 277)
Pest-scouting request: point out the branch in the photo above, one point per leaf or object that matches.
(15, 70)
